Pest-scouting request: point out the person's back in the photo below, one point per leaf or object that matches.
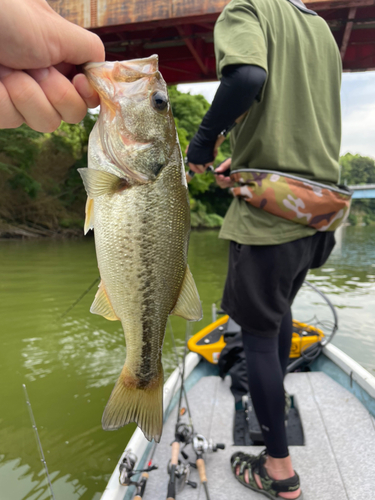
(295, 127)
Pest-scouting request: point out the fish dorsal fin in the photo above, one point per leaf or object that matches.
(102, 305)
(89, 220)
(188, 304)
(99, 182)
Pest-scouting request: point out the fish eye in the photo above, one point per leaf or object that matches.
(159, 101)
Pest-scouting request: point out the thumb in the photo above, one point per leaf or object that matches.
(224, 165)
(81, 46)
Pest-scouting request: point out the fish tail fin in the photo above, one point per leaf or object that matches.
(131, 403)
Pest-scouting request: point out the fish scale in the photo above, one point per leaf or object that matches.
(138, 206)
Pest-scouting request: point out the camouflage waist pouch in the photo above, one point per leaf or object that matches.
(294, 198)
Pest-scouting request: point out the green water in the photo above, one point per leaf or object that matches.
(70, 364)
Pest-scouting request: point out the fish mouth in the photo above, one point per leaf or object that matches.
(139, 68)
(108, 75)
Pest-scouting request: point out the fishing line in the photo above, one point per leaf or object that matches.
(313, 351)
(33, 423)
(182, 375)
(166, 413)
(80, 297)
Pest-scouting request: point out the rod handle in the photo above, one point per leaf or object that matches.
(202, 470)
(171, 492)
(142, 486)
(175, 452)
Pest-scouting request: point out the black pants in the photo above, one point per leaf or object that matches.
(261, 285)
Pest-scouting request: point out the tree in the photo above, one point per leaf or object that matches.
(357, 169)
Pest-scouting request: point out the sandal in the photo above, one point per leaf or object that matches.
(255, 464)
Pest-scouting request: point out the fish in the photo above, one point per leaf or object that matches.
(138, 206)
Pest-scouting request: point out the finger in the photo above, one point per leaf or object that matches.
(223, 181)
(61, 94)
(79, 46)
(30, 101)
(198, 169)
(84, 89)
(9, 116)
(224, 166)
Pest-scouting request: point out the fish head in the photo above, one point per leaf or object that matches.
(136, 124)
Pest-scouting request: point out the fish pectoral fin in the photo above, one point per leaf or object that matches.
(102, 305)
(188, 304)
(89, 220)
(99, 182)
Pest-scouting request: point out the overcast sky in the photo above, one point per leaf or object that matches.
(358, 110)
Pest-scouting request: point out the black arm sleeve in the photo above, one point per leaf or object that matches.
(240, 85)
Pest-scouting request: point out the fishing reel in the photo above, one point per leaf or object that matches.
(182, 473)
(201, 445)
(127, 470)
(184, 433)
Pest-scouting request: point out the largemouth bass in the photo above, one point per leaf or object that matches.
(138, 206)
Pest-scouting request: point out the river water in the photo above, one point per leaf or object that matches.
(69, 364)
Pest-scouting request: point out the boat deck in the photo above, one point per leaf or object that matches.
(336, 463)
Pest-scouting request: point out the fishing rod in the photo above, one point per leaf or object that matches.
(185, 434)
(39, 443)
(201, 445)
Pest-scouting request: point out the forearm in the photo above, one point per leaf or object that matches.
(237, 91)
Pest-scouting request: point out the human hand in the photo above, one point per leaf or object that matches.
(39, 51)
(197, 168)
(224, 181)
(200, 153)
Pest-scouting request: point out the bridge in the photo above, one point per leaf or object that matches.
(365, 191)
(181, 31)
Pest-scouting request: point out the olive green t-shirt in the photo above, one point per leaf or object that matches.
(295, 124)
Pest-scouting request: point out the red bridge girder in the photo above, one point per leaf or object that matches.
(181, 32)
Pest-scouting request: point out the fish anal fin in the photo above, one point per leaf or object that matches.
(89, 220)
(188, 304)
(99, 182)
(102, 305)
(131, 401)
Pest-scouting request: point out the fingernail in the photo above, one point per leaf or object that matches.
(4, 71)
(39, 74)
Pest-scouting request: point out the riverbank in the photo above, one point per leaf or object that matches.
(199, 222)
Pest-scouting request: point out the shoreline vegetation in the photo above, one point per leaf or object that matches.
(42, 194)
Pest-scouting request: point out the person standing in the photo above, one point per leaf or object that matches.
(280, 72)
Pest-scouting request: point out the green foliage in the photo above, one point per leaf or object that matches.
(200, 217)
(188, 109)
(357, 169)
(353, 219)
(72, 190)
(21, 147)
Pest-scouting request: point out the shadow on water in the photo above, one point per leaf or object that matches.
(70, 364)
